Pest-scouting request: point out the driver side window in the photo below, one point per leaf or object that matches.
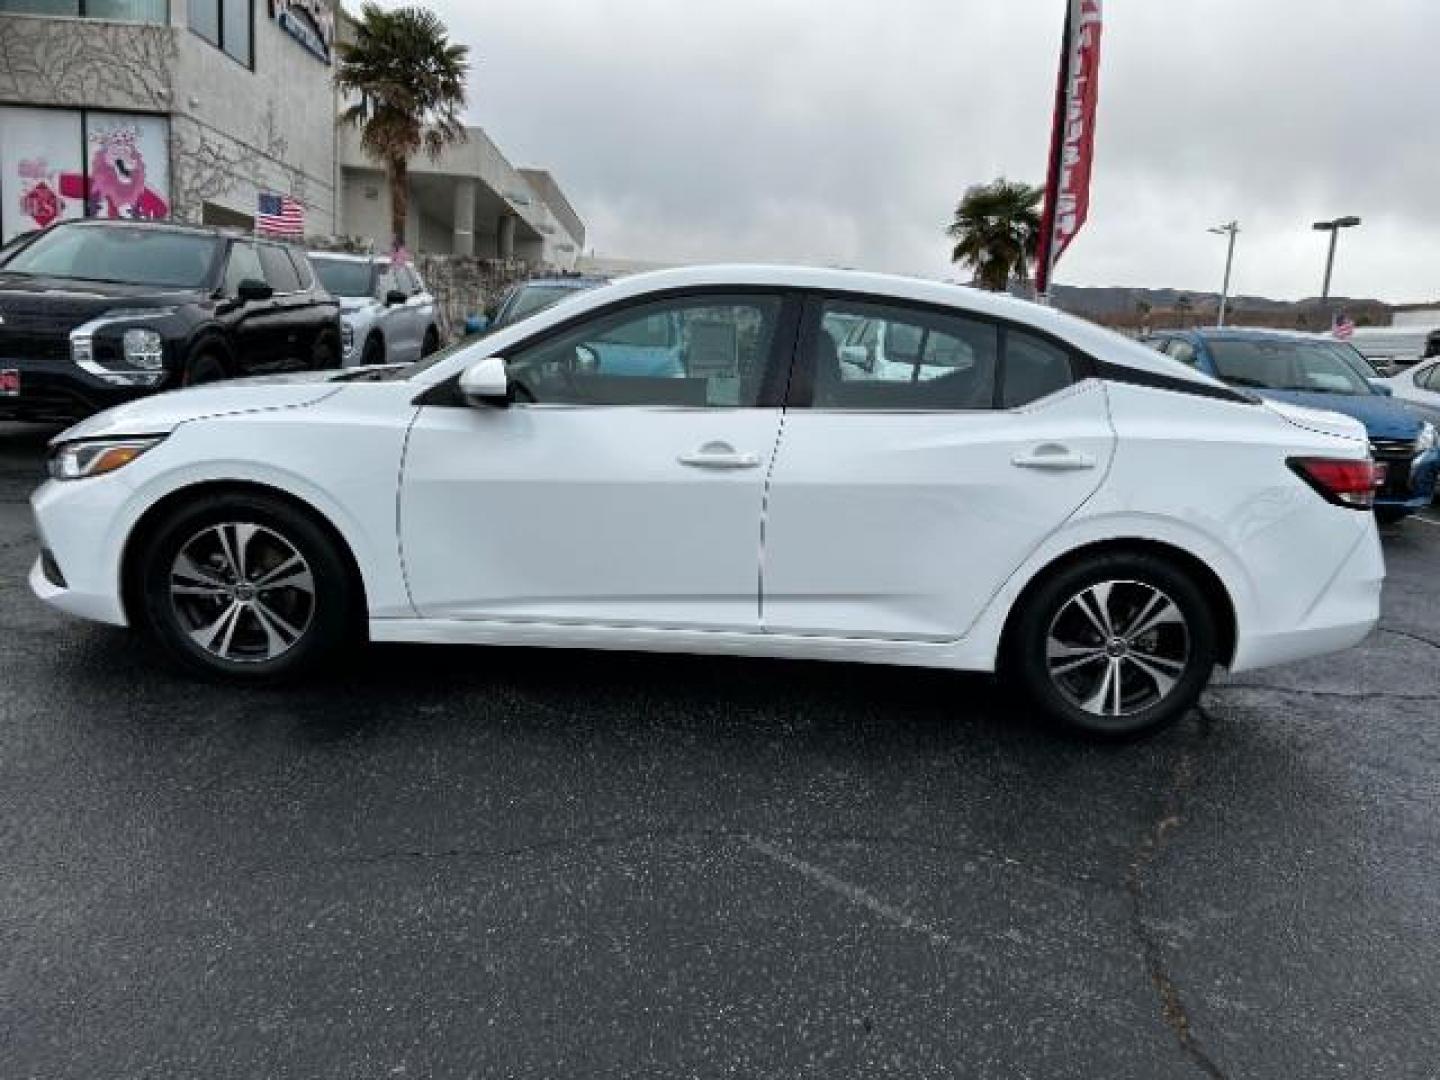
(693, 351)
(244, 265)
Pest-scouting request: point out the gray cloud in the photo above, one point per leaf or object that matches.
(842, 131)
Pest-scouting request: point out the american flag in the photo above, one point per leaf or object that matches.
(280, 215)
(1344, 327)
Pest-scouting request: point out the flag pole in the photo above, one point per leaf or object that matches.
(1046, 270)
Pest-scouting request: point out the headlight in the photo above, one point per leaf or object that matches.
(79, 460)
(144, 348)
(1426, 439)
(347, 337)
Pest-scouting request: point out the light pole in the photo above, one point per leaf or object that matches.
(1232, 230)
(1333, 228)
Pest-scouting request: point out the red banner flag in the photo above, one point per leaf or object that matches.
(1072, 142)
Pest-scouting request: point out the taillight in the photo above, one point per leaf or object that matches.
(1342, 481)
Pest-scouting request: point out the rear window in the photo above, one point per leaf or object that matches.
(126, 256)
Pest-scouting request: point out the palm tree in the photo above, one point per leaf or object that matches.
(997, 232)
(410, 79)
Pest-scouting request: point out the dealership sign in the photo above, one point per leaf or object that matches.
(1072, 140)
(310, 22)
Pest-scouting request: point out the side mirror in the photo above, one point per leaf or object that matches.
(1382, 388)
(394, 298)
(484, 384)
(253, 290)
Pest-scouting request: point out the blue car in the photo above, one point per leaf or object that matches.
(1322, 374)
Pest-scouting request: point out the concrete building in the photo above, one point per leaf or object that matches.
(191, 109)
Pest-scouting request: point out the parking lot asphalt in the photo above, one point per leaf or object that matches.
(450, 862)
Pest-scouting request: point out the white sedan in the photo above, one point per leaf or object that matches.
(1420, 386)
(1099, 522)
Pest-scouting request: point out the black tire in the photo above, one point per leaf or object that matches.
(374, 352)
(431, 344)
(324, 622)
(1182, 653)
(326, 353)
(1391, 517)
(205, 366)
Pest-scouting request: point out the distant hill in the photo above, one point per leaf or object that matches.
(1121, 308)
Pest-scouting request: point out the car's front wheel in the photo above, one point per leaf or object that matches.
(245, 586)
(1116, 645)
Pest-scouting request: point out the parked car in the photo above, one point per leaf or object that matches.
(1323, 374)
(1391, 348)
(93, 313)
(537, 294)
(387, 314)
(1419, 387)
(1098, 522)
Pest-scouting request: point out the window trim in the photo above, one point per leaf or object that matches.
(774, 388)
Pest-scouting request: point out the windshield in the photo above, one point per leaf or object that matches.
(122, 255)
(343, 277)
(535, 298)
(1315, 367)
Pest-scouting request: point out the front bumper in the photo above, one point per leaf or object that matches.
(77, 526)
(1411, 484)
(58, 390)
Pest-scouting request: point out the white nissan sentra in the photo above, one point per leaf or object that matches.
(687, 461)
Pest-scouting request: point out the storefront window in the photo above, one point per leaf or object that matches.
(141, 11)
(59, 164)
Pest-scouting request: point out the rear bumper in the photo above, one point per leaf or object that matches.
(1344, 614)
(58, 390)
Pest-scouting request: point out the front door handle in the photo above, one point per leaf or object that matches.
(1055, 458)
(719, 455)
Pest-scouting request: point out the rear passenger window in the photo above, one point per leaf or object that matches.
(279, 270)
(1034, 368)
(904, 359)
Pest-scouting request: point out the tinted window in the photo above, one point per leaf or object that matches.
(119, 254)
(205, 19)
(1034, 368)
(904, 359)
(235, 18)
(279, 270)
(343, 277)
(244, 265)
(1288, 365)
(692, 351)
(1432, 378)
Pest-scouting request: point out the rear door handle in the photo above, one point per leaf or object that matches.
(1054, 458)
(719, 455)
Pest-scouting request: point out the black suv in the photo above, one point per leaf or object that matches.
(95, 313)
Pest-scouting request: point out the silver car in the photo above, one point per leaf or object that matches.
(387, 315)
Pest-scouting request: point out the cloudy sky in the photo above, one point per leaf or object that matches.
(842, 131)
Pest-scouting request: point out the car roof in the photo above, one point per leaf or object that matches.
(1086, 336)
(155, 226)
(567, 281)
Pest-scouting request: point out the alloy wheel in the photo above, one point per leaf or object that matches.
(242, 592)
(1117, 648)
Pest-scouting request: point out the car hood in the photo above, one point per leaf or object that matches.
(1383, 417)
(65, 302)
(163, 413)
(351, 304)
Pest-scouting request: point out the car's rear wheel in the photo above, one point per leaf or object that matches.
(245, 587)
(1116, 645)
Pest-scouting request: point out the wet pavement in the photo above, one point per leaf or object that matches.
(452, 862)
